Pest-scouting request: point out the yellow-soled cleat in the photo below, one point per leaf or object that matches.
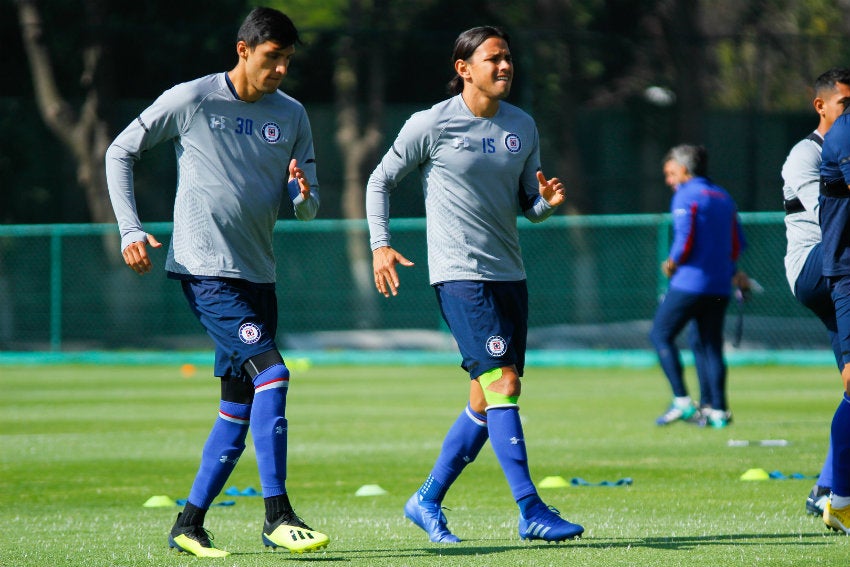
(195, 540)
(293, 534)
(837, 519)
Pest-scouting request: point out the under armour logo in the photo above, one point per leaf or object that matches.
(516, 440)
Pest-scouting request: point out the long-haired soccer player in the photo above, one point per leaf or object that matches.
(479, 160)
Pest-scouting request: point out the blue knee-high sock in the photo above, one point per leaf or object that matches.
(825, 478)
(269, 428)
(462, 444)
(840, 435)
(508, 443)
(222, 450)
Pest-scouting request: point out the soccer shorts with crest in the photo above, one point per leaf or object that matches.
(239, 316)
(489, 322)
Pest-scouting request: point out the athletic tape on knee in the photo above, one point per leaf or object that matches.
(267, 371)
(495, 399)
(261, 362)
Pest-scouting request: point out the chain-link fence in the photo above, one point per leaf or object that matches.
(594, 283)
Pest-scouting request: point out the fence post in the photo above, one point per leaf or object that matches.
(55, 289)
(662, 249)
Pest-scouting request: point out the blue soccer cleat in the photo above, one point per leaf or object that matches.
(429, 516)
(545, 523)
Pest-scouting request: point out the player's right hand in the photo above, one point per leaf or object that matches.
(136, 254)
(384, 260)
(297, 173)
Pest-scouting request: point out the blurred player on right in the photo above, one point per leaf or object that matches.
(803, 257)
(834, 201)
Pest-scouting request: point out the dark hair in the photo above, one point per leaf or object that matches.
(826, 81)
(693, 158)
(267, 24)
(466, 44)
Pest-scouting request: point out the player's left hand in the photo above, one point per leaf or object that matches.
(296, 172)
(551, 189)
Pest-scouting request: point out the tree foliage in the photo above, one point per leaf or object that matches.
(573, 57)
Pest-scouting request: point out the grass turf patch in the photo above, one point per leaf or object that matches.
(82, 447)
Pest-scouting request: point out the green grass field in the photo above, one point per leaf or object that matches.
(83, 447)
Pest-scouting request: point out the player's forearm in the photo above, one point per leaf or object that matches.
(306, 209)
(378, 211)
(540, 211)
(119, 180)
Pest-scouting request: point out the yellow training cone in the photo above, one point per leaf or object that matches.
(755, 474)
(553, 482)
(159, 502)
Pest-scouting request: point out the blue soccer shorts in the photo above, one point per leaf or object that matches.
(239, 316)
(489, 322)
(840, 289)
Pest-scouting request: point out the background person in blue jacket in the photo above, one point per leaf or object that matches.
(701, 265)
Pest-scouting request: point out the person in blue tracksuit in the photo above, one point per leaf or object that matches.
(702, 267)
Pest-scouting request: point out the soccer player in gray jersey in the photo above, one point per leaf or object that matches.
(479, 161)
(242, 145)
(803, 257)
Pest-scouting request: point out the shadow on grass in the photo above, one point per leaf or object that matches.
(691, 542)
(469, 548)
(668, 543)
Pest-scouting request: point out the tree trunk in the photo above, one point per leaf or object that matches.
(358, 139)
(84, 133)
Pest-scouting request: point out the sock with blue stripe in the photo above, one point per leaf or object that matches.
(269, 428)
(461, 446)
(840, 436)
(221, 452)
(509, 445)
